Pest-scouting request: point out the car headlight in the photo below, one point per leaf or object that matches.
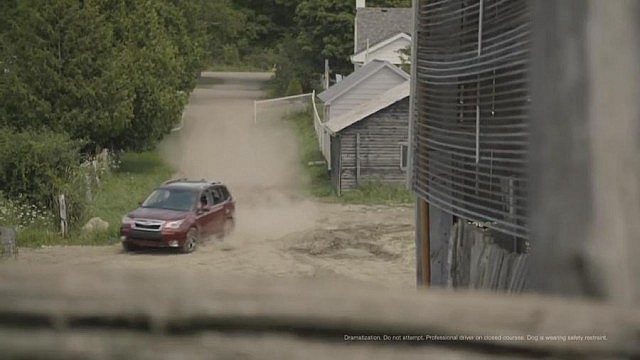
(173, 224)
(127, 220)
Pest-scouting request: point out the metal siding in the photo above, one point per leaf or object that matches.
(457, 75)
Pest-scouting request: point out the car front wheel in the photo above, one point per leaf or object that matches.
(129, 247)
(190, 242)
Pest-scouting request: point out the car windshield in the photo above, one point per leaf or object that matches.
(171, 199)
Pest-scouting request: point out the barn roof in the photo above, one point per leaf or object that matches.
(356, 77)
(369, 108)
(379, 24)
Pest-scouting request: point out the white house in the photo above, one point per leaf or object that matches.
(374, 78)
(379, 33)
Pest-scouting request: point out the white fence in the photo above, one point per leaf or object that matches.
(324, 139)
(276, 109)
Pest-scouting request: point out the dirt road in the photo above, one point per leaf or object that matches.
(280, 231)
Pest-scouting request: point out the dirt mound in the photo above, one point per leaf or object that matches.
(382, 242)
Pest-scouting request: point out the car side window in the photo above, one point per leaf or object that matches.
(217, 196)
(225, 193)
(206, 199)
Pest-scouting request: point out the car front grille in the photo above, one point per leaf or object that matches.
(148, 225)
(145, 235)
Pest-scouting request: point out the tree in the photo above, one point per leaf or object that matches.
(157, 72)
(326, 32)
(65, 74)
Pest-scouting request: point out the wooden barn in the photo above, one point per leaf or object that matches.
(369, 143)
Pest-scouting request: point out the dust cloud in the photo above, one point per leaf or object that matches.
(259, 163)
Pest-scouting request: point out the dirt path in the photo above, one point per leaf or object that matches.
(280, 232)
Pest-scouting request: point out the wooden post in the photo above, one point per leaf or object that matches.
(326, 73)
(357, 159)
(63, 215)
(425, 246)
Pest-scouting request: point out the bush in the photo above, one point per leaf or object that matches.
(294, 87)
(37, 166)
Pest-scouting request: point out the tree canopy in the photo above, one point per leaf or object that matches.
(81, 75)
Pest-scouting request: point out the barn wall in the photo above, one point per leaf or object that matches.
(380, 137)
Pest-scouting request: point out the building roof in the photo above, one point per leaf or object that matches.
(356, 77)
(361, 56)
(369, 108)
(379, 24)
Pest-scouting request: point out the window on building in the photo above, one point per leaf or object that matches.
(404, 155)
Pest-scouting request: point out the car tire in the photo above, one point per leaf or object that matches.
(227, 228)
(129, 247)
(191, 242)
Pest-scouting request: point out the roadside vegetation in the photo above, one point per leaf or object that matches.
(121, 188)
(81, 77)
(320, 186)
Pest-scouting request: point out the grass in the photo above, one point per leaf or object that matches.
(370, 193)
(319, 180)
(120, 192)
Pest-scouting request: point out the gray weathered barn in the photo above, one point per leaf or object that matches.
(369, 143)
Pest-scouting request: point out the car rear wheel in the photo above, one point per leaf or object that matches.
(190, 242)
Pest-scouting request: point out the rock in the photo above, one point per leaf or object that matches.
(95, 223)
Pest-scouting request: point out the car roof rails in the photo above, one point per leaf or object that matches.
(174, 181)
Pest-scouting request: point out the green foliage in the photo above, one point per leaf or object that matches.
(319, 180)
(37, 166)
(64, 76)
(294, 87)
(405, 58)
(134, 178)
(326, 31)
(113, 72)
(299, 35)
(230, 55)
(107, 73)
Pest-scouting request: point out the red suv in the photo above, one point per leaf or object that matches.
(179, 214)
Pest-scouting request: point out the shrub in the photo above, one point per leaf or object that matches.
(294, 87)
(37, 166)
